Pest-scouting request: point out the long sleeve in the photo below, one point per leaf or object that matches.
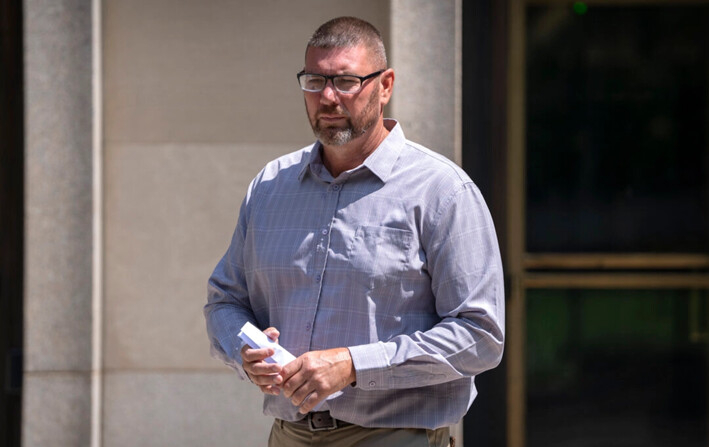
(228, 307)
(463, 260)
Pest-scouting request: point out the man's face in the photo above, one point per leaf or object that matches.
(338, 118)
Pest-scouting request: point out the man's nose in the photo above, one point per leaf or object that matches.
(329, 92)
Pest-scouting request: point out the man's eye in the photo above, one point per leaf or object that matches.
(347, 83)
(314, 83)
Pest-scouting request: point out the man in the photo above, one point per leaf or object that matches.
(370, 258)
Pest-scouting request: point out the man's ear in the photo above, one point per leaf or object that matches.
(387, 86)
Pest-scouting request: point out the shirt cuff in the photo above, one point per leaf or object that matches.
(233, 362)
(371, 365)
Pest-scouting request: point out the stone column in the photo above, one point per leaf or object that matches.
(58, 225)
(425, 51)
(426, 54)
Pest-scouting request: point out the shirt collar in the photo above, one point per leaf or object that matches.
(312, 162)
(380, 162)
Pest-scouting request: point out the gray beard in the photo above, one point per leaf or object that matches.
(336, 136)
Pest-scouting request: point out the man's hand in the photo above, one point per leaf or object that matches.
(313, 376)
(265, 375)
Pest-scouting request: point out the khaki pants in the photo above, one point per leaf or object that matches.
(285, 434)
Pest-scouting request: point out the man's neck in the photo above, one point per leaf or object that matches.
(338, 159)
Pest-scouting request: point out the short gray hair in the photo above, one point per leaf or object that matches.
(348, 32)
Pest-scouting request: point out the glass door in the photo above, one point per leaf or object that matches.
(608, 223)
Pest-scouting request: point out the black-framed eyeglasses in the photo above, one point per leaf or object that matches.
(347, 84)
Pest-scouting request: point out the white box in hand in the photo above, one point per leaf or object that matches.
(252, 336)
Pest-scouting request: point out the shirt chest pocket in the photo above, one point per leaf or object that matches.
(381, 251)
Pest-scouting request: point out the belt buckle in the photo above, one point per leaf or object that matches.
(325, 428)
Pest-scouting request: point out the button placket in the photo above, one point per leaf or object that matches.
(329, 209)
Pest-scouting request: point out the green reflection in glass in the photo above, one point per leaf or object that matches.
(631, 361)
(580, 8)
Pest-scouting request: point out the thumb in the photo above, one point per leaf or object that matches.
(272, 333)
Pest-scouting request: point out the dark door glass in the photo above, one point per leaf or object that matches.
(617, 108)
(617, 368)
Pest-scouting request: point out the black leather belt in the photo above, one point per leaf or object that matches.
(320, 421)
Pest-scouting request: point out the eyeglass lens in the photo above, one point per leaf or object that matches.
(344, 83)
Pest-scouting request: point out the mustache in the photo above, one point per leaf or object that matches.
(332, 110)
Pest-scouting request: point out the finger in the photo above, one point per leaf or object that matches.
(311, 401)
(255, 355)
(291, 368)
(270, 389)
(272, 333)
(292, 384)
(266, 380)
(304, 392)
(263, 368)
(257, 371)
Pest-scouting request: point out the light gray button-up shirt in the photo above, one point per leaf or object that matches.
(396, 260)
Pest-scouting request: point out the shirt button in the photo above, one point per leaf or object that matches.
(372, 383)
(307, 327)
(324, 232)
(335, 187)
(318, 278)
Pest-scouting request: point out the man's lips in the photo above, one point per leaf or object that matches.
(331, 117)
(332, 120)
